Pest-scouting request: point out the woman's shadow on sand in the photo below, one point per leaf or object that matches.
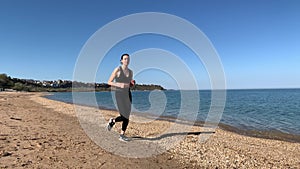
(168, 135)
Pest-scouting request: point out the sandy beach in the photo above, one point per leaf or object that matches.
(41, 133)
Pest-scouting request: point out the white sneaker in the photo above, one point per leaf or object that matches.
(110, 124)
(123, 138)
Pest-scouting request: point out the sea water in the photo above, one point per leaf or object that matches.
(254, 109)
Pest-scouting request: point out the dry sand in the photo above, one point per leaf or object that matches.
(39, 133)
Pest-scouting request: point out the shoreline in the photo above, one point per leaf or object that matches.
(40, 133)
(267, 134)
(37, 132)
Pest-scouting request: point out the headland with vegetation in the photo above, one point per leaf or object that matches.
(30, 85)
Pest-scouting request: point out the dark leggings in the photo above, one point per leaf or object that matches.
(124, 100)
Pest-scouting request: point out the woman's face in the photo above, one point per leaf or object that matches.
(125, 61)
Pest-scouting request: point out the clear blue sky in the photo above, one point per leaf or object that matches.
(258, 41)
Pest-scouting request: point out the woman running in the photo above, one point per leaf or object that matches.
(121, 78)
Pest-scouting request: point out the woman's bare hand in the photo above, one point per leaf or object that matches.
(124, 85)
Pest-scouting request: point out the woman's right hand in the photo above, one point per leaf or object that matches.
(124, 85)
